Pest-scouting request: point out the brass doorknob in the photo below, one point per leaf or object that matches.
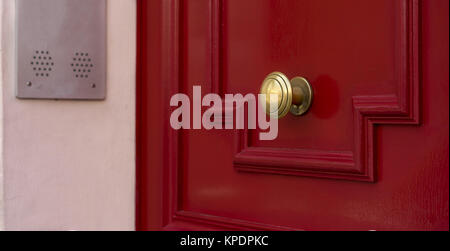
(294, 96)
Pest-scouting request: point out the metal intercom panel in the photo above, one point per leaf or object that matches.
(61, 49)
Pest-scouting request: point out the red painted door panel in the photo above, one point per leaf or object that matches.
(372, 153)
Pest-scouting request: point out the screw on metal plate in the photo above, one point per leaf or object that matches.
(29, 84)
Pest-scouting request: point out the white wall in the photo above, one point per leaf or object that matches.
(70, 165)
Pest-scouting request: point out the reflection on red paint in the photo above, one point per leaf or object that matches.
(328, 90)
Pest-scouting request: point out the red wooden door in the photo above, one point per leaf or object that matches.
(371, 154)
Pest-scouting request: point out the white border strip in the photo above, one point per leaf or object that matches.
(2, 214)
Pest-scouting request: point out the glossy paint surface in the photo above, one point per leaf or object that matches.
(372, 154)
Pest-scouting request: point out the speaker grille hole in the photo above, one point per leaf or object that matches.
(42, 63)
(81, 65)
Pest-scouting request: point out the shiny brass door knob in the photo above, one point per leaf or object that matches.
(294, 96)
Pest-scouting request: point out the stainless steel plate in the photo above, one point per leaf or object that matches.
(61, 49)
